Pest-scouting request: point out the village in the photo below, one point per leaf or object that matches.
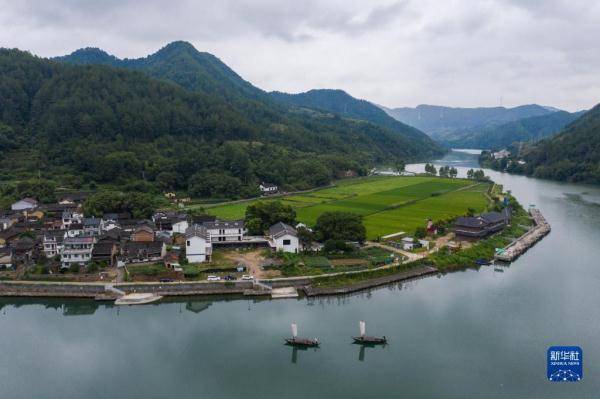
(58, 242)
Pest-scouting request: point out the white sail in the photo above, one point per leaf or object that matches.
(362, 328)
(294, 330)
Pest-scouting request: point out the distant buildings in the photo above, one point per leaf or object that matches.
(501, 154)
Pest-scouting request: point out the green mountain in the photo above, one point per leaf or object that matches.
(447, 123)
(341, 103)
(529, 129)
(177, 62)
(571, 155)
(80, 126)
(181, 63)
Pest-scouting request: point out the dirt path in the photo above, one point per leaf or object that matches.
(411, 256)
(253, 260)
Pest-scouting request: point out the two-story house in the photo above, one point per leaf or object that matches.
(225, 231)
(198, 246)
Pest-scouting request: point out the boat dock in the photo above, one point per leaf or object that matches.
(516, 248)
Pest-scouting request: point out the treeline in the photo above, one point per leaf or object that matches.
(98, 126)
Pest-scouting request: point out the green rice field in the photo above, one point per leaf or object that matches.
(387, 204)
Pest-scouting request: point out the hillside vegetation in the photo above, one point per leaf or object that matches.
(529, 129)
(89, 126)
(572, 155)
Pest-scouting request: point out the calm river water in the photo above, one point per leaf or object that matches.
(473, 334)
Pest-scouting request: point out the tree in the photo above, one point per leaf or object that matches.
(453, 172)
(470, 173)
(340, 226)
(420, 232)
(305, 236)
(400, 166)
(262, 215)
(444, 171)
(430, 169)
(479, 175)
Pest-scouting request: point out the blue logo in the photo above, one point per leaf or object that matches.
(565, 363)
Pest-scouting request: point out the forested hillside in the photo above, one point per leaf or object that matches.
(181, 63)
(341, 103)
(529, 129)
(81, 126)
(572, 155)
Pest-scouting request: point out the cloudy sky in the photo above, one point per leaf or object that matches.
(395, 53)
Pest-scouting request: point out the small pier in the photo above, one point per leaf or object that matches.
(285, 292)
(516, 248)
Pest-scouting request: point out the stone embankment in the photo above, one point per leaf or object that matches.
(101, 291)
(518, 247)
(362, 285)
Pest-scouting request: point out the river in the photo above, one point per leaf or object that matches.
(472, 334)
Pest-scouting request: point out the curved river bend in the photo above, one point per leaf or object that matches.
(473, 334)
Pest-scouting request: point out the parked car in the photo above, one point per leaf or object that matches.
(229, 278)
(247, 277)
(213, 278)
(166, 280)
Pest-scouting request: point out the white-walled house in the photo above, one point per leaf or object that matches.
(180, 226)
(25, 204)
(225, 231)
(198, 246)
(284, 238)
(76, 250)
(268, 188)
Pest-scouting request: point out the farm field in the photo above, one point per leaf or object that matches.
(387, 204)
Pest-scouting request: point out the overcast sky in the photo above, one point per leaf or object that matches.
(395, 53)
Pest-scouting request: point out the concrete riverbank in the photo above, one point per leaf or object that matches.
(516, 248)
(105, 291)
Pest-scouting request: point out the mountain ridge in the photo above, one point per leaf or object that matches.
(444, 123)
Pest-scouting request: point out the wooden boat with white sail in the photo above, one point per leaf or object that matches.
(300, 342)
(368, 340)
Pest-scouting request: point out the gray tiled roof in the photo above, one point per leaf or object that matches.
(197, 230)
(220, 224)
(279, 229)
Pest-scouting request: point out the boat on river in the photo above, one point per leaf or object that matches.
(137, 299)
(364, 339)
(300, 342)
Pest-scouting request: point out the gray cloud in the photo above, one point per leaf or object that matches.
(395, 53)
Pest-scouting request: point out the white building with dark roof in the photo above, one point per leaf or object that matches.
(284, 238)
(268, 188)
(198, 246)
(76, 250)
(225, 231)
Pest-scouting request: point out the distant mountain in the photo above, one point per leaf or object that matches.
(571, 155)
(529, 129)
(446, 123)
(341, 103)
